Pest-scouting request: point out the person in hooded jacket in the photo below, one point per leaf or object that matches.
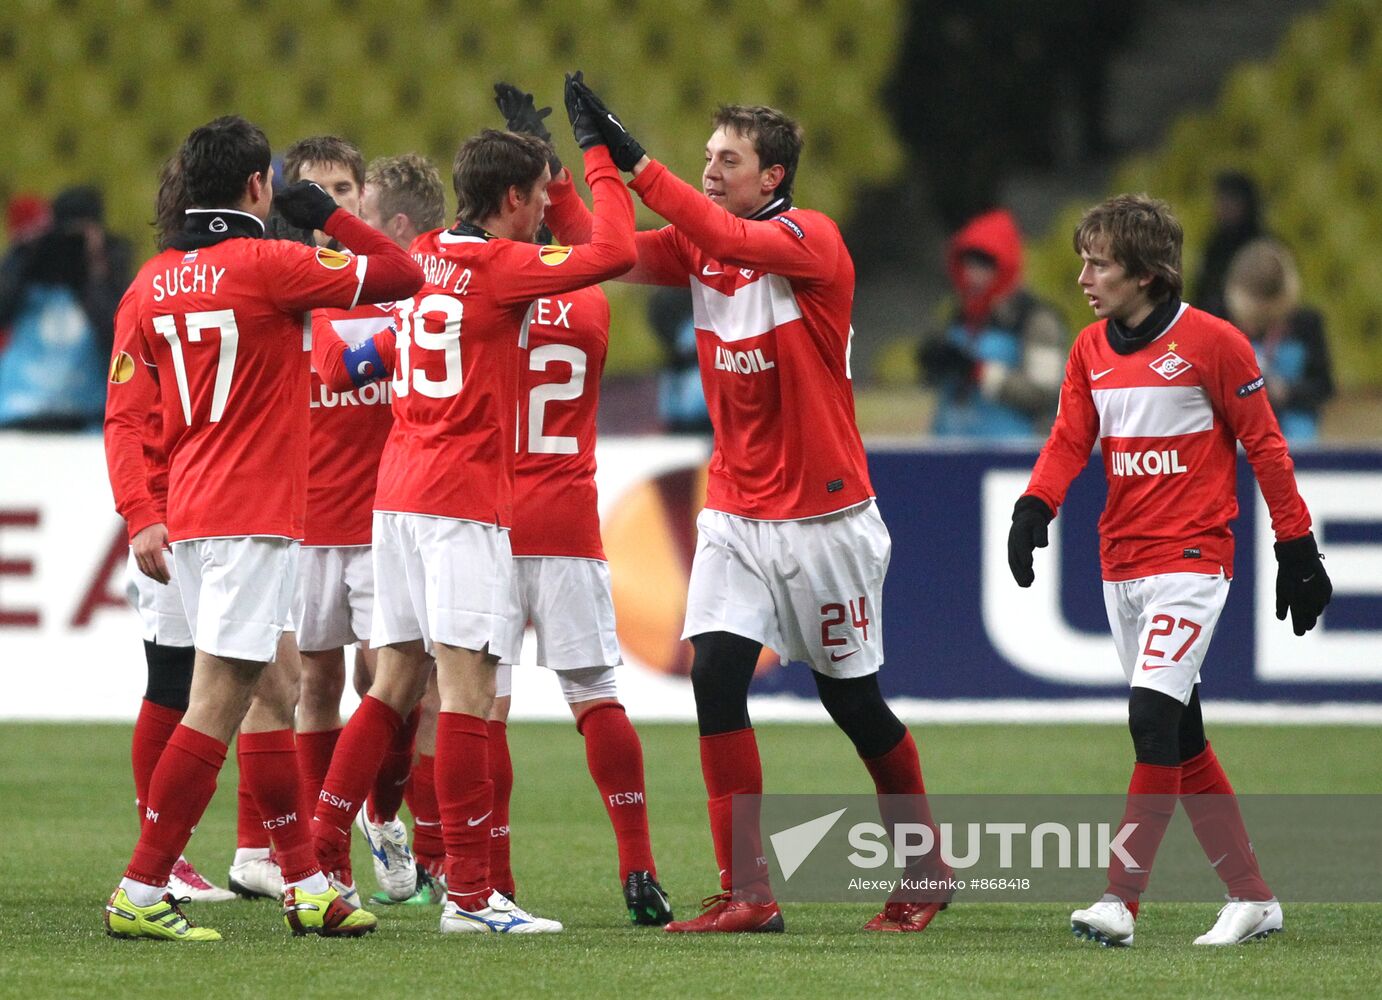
(998, 364)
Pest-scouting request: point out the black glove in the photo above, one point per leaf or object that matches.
(305, 205)
(941, 361)
(1030, 518)
(522, 115)
(623, 148)
(1302, 585)
(583, 124)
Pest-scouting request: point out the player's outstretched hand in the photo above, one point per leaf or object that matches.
(521, 114)
(624, 149)
(1028, 533)
(305, 205)
(581, 115)
(1302, 585)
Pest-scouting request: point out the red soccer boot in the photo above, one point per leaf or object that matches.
(729, 914)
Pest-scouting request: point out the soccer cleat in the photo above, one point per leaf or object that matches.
(1241, 921)
(501, 915)
(186, 882)
(326, 914)
(1108, 922)
(726, 913)
(903, 916)
(648, 904)
(161, 921)
(430, 892)
(394, 867)
(342, 883)
(257, 878)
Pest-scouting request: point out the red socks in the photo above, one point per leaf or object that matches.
(314, 760)
(1213, 810)
(615, 758)
(730, 765)
(421, 796)
(249, 825)
(355, 763)
(465, 794)
(270, 769)
(1152, 795)
(501, 774)
(179, 790)
(387, 795)
(151, 731)
(902, 799)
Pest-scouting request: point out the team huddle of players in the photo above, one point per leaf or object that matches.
(383, 433)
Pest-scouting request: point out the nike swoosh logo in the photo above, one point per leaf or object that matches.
(1094, 378)
(479, 820)
(708, 272)
(1156, 666)
(1216, 864)
(837, 657)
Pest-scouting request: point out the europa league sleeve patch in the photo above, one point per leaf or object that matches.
(121, 368)
(1244, 391)
(553, 254)
(332, 260)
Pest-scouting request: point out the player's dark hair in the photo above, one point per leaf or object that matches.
(220, 157)
(490, 163)
(408, 184)
(1143, 237)
(323, 149)
(171, 202)
(776, 138)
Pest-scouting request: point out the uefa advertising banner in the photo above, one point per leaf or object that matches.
(963, 641)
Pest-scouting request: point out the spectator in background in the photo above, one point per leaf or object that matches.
(1237, 222)
(27, 217)
(1262, 292)
(59, 300)
(680, 396)
(998, 365)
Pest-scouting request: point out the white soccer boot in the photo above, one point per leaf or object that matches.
(394, 867)
(1109, 922)
(1241, 921)
(501, 916)
(256, 875)
(186, 882)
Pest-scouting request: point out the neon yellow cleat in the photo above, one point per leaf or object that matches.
(326, 913)
(162, 921)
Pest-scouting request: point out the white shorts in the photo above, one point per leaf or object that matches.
(439, 579)
(568, 603)
(1162, 626)
(159, 606)
(238, 593)
(334, 599)
(579, 685)
(811, 590)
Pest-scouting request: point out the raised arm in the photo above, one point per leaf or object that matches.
(342, 367)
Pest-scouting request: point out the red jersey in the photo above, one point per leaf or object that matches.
(226, 327)
(456, 355)
(348, 430)
(772, 299)
(1167, 418)
(134, 427)
(555, 503)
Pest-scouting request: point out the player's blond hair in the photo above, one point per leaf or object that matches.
(408, 184)
(1142, 235)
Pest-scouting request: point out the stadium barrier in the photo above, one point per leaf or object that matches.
(964, 642)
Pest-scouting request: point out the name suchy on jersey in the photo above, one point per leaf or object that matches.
(1168, 418)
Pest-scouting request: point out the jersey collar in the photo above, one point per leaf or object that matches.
(775, 207)
(467, 232)
(1158, 321)
(204, 227)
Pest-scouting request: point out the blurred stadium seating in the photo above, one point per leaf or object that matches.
(102, 91)
(1307, 125)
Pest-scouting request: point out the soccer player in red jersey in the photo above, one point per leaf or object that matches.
(443, 564)
(562, 575)
(1168, 392)
(221, 316)
(791, 550)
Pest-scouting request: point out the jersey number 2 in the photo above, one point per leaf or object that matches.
(550, 392)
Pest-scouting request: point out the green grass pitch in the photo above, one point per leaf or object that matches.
(70, 825)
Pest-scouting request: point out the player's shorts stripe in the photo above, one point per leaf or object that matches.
(1153, 411)
(754, 309)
